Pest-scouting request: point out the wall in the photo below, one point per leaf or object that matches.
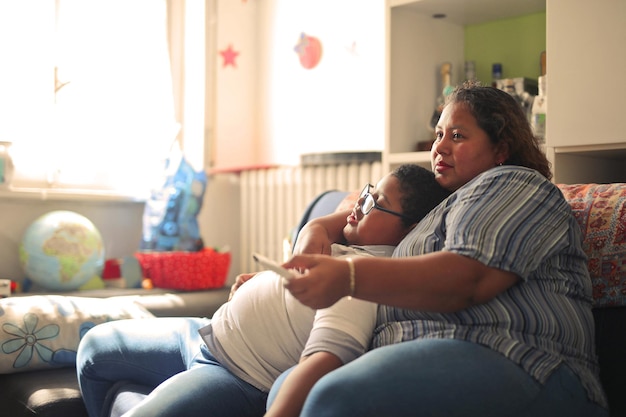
(270, 108)
(119, 223)
(516, 43)
(236, 141)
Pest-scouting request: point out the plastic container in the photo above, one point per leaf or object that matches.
(6, 165)
(539, 110)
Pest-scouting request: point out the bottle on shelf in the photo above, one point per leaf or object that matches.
(446, 89)
(538, 112)
(496, 74)
(470, 70)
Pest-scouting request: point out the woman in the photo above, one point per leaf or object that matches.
(485, 309)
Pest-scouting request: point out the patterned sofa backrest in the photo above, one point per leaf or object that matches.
(601, 212)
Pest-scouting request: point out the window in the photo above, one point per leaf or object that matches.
(87, 94)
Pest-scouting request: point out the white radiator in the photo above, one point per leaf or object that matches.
(273, 201)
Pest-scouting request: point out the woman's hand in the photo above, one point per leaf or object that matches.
(324, 281)
(239, 281)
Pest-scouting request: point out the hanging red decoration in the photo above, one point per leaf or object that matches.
(309, 50)
(229, 55)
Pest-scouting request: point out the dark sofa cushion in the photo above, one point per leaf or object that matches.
(611, 350)
(44, 393)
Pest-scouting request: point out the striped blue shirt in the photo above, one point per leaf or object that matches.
(510, 218)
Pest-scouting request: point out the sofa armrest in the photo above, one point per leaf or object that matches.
(160, 302)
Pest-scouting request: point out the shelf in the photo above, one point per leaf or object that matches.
(607, 151)
(392, 160)
(472, 12)
(601, 163)
(59, 194)
(409, 157)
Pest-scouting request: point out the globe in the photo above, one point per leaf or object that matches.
(61, 251)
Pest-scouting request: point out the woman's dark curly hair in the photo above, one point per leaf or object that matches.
(420, 192)
(504, 121)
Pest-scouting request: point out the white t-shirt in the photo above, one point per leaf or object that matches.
(264, 330)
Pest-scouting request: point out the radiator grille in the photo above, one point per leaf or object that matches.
(274, 199)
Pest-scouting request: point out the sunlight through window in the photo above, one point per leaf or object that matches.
(86, 93)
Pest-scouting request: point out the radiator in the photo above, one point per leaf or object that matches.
(274, 199)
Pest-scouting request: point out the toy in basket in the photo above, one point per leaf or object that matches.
(187, 271)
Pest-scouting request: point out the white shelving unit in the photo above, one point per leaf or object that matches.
(417, 46)
(585, 44)
(585, 142)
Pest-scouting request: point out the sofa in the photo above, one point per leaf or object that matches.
(599, 208)
(53, 391)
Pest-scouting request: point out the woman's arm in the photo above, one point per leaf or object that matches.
(437, 282)
(318, 234)
(299, 382)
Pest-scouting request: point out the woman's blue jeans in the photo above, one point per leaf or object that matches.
(447, 378)
(168, 357)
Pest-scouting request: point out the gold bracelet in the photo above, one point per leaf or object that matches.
(352, 277)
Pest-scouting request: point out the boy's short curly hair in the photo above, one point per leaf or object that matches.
(420, 191)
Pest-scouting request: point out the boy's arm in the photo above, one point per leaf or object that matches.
(296, 386)
(340, 334)
(318, 234)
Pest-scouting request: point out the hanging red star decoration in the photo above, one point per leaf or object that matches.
(229, 56)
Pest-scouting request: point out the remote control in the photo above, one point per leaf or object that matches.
(273, 266)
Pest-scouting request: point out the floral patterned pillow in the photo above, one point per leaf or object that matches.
(601, 213)
(43, 331)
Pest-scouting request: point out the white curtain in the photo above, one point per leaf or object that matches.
(96, 108)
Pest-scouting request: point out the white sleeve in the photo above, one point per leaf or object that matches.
(344, 329)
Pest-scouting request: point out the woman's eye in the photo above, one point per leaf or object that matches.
(438, 136)
(457, 136)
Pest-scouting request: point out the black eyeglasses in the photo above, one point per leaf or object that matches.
(367, 203)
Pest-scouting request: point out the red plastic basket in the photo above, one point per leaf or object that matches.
(187, 271)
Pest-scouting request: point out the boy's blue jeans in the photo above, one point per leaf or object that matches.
(167, 355)
(442, 378)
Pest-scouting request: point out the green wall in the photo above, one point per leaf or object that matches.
(516, 43)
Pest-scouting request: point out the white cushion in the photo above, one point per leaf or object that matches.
(43, 331)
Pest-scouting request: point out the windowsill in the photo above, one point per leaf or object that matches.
(58, 194)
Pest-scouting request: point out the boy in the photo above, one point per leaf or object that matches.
(258, 349)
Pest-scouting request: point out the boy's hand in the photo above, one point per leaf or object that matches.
(239, 281)
(313, 239)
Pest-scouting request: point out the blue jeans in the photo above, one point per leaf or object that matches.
(168, 358)
(447, 378)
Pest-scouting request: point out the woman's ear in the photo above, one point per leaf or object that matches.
(502, 153)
